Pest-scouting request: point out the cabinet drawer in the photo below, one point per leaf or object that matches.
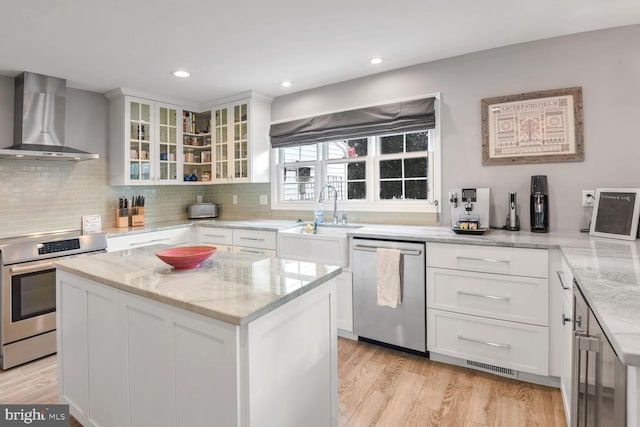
(176, 237)
(489, 259)
(215, 236)
(254, 238)
(514, 298)
(495, 342)
(270, 253)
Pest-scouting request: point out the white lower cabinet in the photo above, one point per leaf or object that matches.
(174, 236)
(344, 283)
(499, 296)
(261, 242)
(508, 345)
(488, 307)
(563, 283)
(221, 238)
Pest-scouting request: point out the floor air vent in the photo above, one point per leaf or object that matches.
(492, 368)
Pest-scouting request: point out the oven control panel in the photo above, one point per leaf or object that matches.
(58, 246)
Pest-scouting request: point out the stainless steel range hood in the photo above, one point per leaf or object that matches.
(39, 119)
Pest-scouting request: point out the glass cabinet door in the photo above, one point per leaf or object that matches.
(140, 125)
(232, 142)
(221, 150)
(240, 142)
(167, 153)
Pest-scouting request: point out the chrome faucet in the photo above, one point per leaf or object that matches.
(335, 200)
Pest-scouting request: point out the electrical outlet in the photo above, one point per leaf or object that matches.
(588, 198)
(235, 199)
(199, 198)
(263, 199)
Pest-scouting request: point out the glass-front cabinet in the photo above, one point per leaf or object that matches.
(145, 146)
(156, 143)
(140, 126)
(241, 143)
(167, 154)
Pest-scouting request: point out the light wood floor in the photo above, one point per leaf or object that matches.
(383, 387)
(377, 387)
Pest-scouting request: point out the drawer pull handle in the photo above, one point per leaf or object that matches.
(560, 273)
(251, 251)
(368, 248)
(255, 239)
(471, 294)
(467, 258)
(492, 344)
(215, 235)
(146, 242)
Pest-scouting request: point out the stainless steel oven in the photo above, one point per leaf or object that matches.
(28, 292)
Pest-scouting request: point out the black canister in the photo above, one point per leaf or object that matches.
(539, 208)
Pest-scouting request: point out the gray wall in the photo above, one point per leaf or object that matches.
(87, 119)
(605, 63)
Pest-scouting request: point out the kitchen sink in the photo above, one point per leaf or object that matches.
(328, 245)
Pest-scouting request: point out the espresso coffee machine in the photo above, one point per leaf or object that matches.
(539, 208)
(470, 206)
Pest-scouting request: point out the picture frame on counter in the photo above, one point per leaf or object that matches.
(534, 127)
(616, 213)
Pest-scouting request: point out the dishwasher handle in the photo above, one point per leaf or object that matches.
(369, 248)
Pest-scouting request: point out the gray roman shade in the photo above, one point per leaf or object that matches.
(398, 117)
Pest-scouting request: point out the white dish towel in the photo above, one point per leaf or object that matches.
(388, 277)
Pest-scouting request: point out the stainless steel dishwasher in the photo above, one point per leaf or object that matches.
(405, 325)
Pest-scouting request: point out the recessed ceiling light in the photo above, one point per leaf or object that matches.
(180, 73)
(376, 60)
(285, 84)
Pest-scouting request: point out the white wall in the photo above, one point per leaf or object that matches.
(605, 63)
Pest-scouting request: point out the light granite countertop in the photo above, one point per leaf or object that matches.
(266, 225)
(607, 270)
(234, 288)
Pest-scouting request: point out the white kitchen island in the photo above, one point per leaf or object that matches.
(242, 340)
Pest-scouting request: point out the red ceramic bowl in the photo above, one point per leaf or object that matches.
(186, 257)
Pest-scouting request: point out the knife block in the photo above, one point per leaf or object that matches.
(122, 218)
(137, 216)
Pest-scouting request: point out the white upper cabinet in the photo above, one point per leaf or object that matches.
(226, 143)
(241, 151)
(145, 145)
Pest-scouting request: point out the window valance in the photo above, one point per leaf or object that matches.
(398, 117)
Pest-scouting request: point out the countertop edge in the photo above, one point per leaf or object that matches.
(193, 308)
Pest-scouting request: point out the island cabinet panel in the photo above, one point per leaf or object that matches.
(126, 360)
(89, 372)
(105, 368)
(176, 366)
(148, 369)
(287, 360)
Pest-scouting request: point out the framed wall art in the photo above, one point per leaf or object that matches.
(616, 213)
(534, 127)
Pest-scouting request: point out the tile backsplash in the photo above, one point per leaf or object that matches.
(43, 196)
(248, 207)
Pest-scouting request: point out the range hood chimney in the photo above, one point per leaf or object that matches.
(39, 118)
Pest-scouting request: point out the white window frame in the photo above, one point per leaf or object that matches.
(372, 202)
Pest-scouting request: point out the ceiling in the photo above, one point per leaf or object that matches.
(234, 46)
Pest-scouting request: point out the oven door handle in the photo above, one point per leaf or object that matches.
(32, 268)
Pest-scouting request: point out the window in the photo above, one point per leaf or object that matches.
(403, 167)
(391, 172)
